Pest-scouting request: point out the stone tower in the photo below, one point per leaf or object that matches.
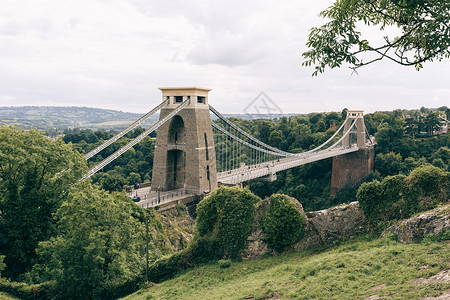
(184, 151)
(359, 134)
(352, 168)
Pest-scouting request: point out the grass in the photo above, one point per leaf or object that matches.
(347, 271)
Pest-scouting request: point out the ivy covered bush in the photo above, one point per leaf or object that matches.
(226, 216)
(397, 197)
(283, 225)
(224, 221)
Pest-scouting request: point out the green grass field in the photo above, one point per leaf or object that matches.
(355, 269)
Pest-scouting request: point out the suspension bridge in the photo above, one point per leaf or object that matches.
(194, 154)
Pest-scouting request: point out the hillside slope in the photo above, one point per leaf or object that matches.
(54, 117)
(357, 269)
(62, 117)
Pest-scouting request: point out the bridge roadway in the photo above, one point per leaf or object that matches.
(246, 173)
(150, 198)
(145, 197)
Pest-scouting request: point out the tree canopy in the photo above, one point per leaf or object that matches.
(100, 244)
(35, 173)
(424, 33)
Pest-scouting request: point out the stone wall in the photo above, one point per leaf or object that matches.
(323, 228)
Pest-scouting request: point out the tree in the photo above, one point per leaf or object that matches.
(389, 137)
(100, 244)
(431, 122)
(112, 181)
(276, 137)
(388, 164)
(442, 153)
(411, 127)
(424, 26)
(35, 175)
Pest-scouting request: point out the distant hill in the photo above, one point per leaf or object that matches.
(62, 117)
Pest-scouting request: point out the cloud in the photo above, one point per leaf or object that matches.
(116, 54)
(226, 48)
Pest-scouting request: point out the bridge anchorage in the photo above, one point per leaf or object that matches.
(193, 155)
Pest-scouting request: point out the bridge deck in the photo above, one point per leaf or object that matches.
(272, 167)
(145, 197)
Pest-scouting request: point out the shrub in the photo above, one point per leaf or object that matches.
(284, 224)
(399, 196)
(224, 263)
(224, 221)
(391, 207)
(369, 196)
(25, 291)
(226, 216)
(426, 186)
(380, 201)
(426, 180)
(200, 250)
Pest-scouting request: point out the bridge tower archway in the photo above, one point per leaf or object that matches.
(177, 131)
(184, 151)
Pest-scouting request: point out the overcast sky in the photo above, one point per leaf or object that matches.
(115, 54)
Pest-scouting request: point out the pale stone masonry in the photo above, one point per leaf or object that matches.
(184, 151)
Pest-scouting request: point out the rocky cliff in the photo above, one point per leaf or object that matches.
(323, 228)
(416, 228)
(178, 226)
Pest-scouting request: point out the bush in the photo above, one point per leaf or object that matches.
(369, 195)
(200, 250)
(426, 180)
(398, 196)
(284, 224)
(226, 216)
(224, 263)
(224, 221)
(25, 291)
(2, 264)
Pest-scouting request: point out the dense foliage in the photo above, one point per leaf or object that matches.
(283, 224)
(226, 216)
(99, 246)
(35, 173)
(397, 197)
(424, 36)
(2, 264)
(224, 221)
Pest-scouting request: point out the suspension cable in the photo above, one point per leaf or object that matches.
(244, 142)
(119, 152)
(125, 131)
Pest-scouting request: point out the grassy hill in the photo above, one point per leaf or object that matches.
(364, 267)
(54, 117)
